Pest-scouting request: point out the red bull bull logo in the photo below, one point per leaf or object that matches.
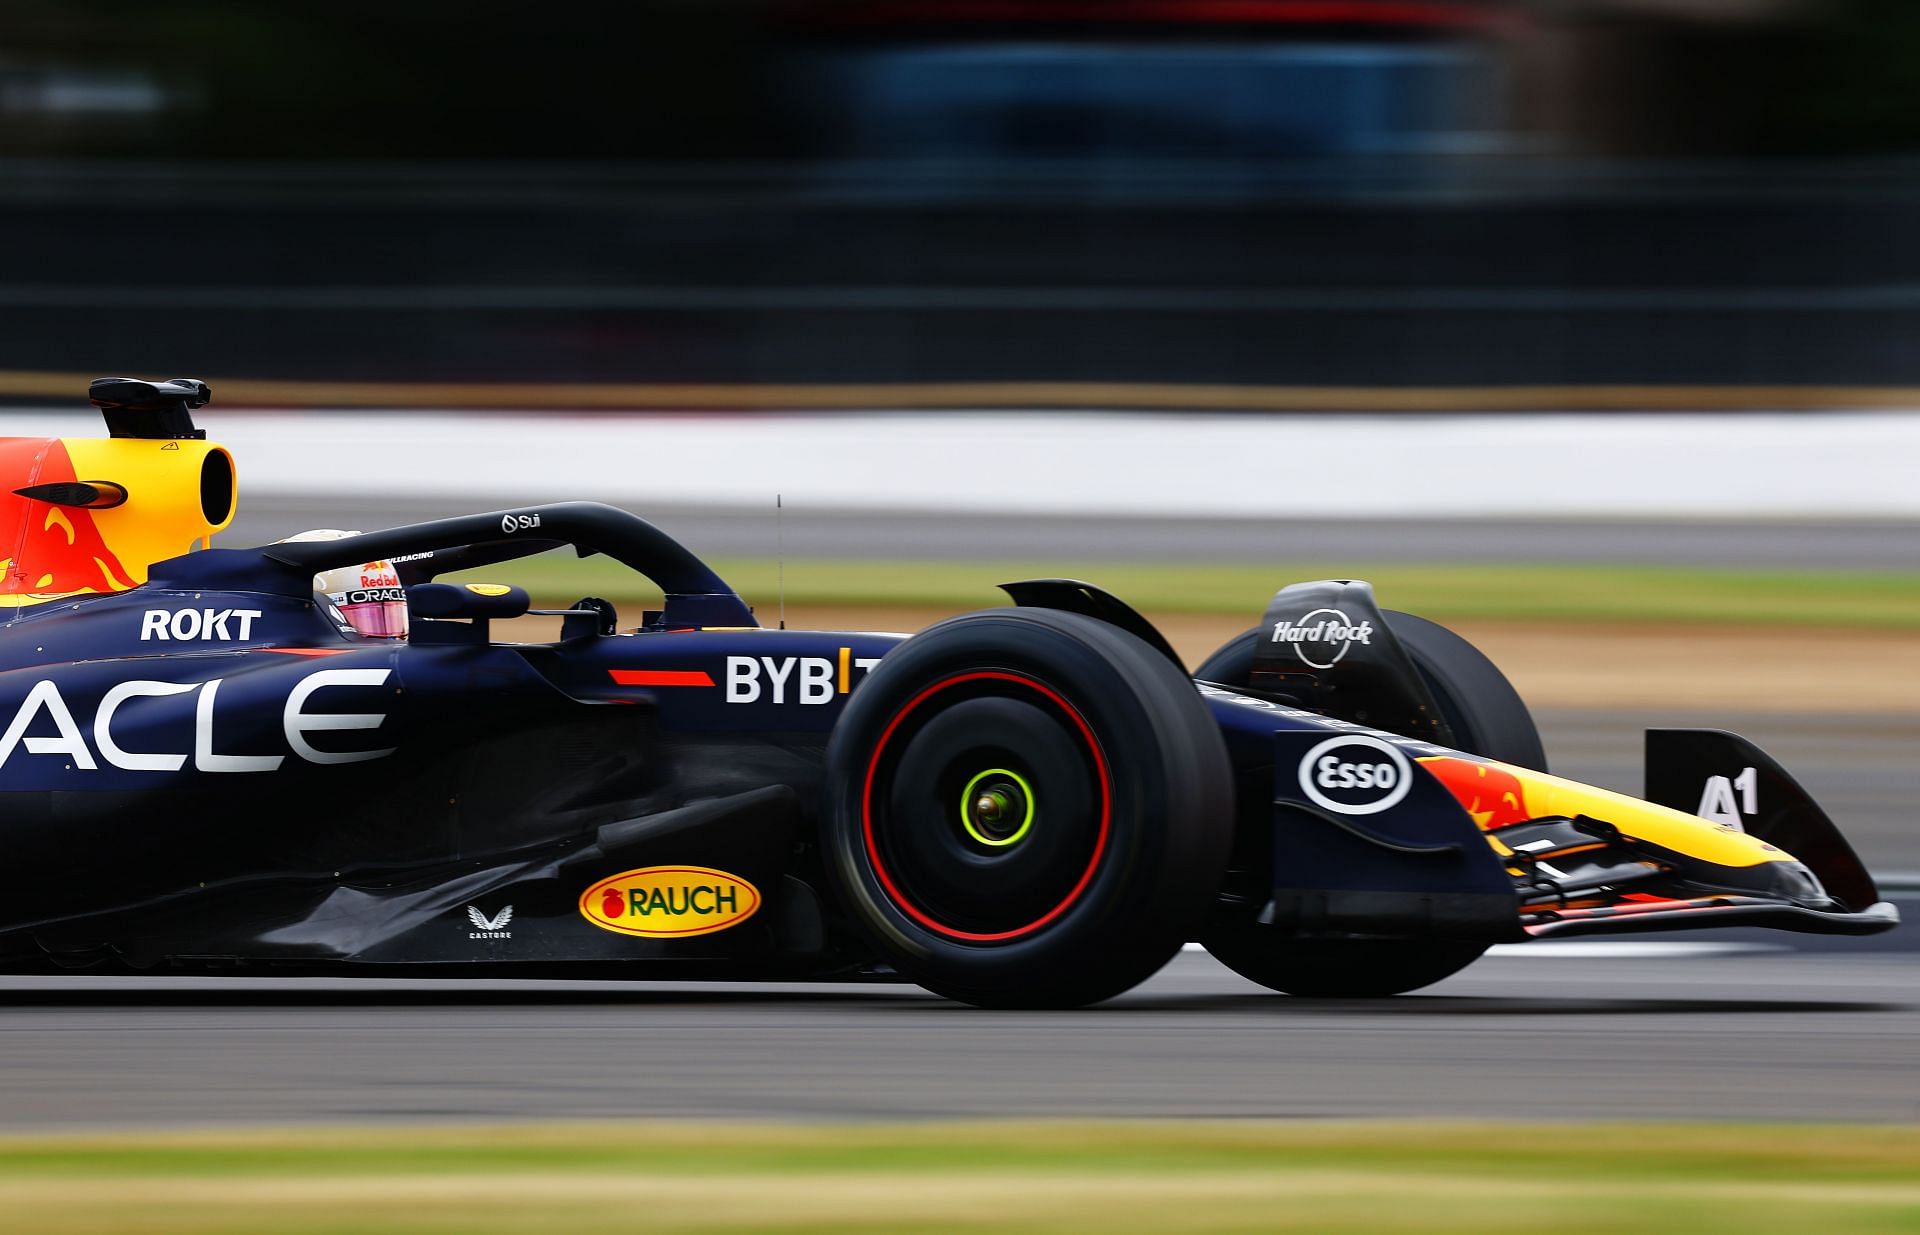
(54, 550)
(1495, 797)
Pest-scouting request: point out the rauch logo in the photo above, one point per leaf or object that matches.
(669, 902)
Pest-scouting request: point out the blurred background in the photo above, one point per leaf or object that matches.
(1372, 193)
(1583, 326)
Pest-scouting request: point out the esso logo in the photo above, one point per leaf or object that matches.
(1355, 775)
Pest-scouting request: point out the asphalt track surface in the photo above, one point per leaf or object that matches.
(1729, 1035)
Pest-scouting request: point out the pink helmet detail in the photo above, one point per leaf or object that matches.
(369, 596)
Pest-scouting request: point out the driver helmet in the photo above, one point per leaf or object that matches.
(368, 597)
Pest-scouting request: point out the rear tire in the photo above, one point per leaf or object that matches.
(1027, 808)
(1488, 718)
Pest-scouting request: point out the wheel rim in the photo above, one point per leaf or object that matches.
(987, 807)
(997, 807)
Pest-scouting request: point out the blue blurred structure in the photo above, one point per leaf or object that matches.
(1095, 102)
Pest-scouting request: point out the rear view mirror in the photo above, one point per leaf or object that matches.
(482, 601)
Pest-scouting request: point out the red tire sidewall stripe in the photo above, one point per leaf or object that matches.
(1100, 843)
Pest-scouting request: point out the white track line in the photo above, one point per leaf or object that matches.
(1091, 463)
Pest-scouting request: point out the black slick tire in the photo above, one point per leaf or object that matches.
(1027, 808)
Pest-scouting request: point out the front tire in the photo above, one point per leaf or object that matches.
(1027, 808)
(1338, 968)
(1487, 717)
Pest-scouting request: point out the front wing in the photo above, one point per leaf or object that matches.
(1373, 836)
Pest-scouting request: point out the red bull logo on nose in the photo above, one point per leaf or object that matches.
(1495, 797)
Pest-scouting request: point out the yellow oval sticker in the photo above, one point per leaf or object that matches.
(669, 902)
(488, 589)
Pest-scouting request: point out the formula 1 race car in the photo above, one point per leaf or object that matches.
(204, 768)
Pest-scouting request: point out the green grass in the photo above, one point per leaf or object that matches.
(1006, 1179)
(1884, 600)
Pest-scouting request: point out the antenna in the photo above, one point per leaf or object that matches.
(780, 559)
